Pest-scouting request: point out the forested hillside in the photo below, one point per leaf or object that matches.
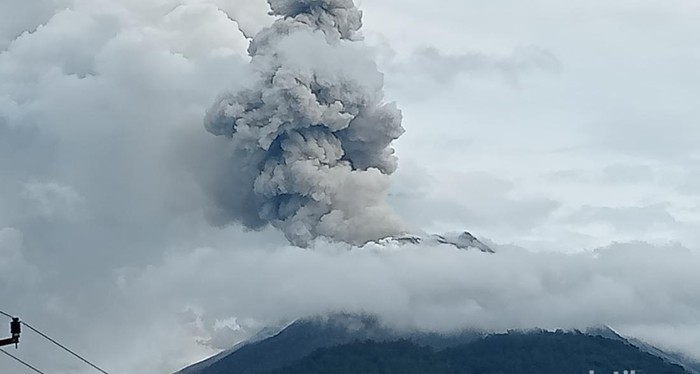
(519, 353)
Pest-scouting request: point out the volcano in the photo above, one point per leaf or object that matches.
(346, 343)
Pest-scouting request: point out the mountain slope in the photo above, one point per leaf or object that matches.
(464, 240)
(535, 352)
(689, 365)
(303, 337)
(262, 335)
(341, 340)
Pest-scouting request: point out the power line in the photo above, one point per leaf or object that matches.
(64, 348)
(79, 357)
(21, 361)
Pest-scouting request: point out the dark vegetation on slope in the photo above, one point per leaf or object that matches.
(303, 337)
(513, 353)
(342, 341)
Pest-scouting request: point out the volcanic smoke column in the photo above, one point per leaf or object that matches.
(312, 137)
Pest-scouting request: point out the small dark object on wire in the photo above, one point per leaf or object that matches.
(15, 327)
(15, 331)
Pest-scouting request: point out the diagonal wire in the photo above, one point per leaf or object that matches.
(64, 348)
(79, 357)
(21, 361)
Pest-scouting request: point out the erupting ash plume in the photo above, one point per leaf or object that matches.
(312, 137)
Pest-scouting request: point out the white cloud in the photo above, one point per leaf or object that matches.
(102, 146)
(15, 271)
(633, 287)
(53, 201)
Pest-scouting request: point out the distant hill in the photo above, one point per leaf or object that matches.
(536, 352)
(337, 343)
(303, 337)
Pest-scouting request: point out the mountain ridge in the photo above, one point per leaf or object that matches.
(298, 340)
(464, 240)
(542, 352)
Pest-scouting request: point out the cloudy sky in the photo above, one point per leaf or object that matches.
(560, 131)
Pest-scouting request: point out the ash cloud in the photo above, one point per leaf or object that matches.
(311, 138)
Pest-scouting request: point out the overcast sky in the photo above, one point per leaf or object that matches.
(550, 128)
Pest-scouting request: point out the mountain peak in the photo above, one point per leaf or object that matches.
(464, 240)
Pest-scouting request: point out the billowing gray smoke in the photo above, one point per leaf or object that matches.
(312, 137)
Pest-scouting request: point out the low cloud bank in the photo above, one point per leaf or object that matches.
(638, 288)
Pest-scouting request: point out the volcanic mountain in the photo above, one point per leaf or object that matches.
(465, 241)
(345, 343)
